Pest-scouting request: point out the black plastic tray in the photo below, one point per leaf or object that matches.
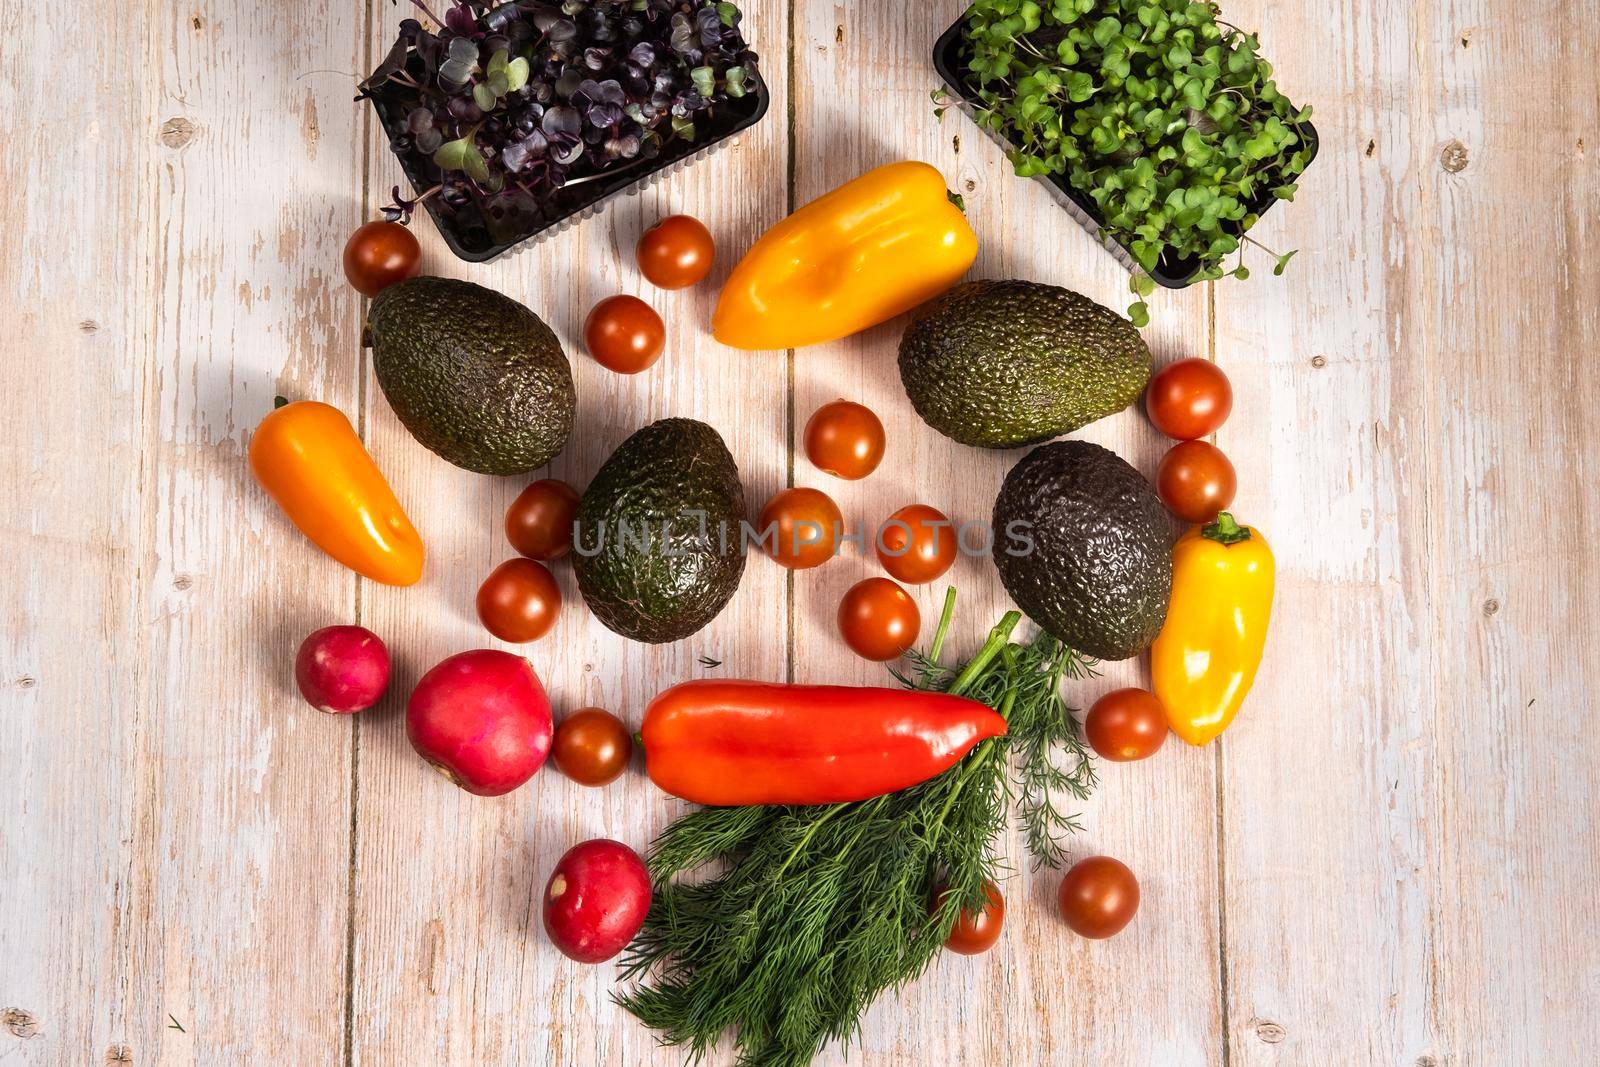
(576, 202)
(950, 60)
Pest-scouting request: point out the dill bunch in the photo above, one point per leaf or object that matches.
(812, 912)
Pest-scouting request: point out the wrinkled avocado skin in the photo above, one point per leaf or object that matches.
(1100, 572)
(475, 376)
(1002, 364)
(682, 580)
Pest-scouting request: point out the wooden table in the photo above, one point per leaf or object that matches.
(1390, 859)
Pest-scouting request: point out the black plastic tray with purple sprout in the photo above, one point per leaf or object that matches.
(513, 120)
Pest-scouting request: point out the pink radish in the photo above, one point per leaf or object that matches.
(596, 900)
(341, 669)
(482, 720)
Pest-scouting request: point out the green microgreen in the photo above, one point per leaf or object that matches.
(1166, 118)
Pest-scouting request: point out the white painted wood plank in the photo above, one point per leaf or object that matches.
(863, 77)
(452, 963)
(175, 821)
(1409, 851)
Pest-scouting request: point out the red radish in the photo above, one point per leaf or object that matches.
(596, 900)
(341, 669)
(482, 720)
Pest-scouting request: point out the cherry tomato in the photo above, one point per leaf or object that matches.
(1195, 481)
(973, 934)
(806, 525)
(1126, 725)
(1189, 398)
(1098, 897)
(878, 619)
(624, 334)
(519, 601)
(917, 544)
(592, 747)
(539, 521)
(380, 254)
(676, 252)
(844, 440)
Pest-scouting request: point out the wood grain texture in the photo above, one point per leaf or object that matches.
(1407, 427)
(1390, 858)
(174, 844)
(451, 962)
(863, 79)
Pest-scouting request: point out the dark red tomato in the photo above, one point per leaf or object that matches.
(676, 252)
(380, 254)
(624, 334)
(539, 521)
(592, 747)
(1098, 897)
(917, 544)
(1126, 725)
(1188, 399)
(805, 525)
(878, 619)
(1195, 481)
(973, 934)
(844, 440)
(519, 601)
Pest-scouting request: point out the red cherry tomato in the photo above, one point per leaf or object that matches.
(975, 933)
(676, 252)
(917, 544)
(539, 521)
(1098, 897)
(380, 254)
(844, 440)
(519, 601)
(1126, 725)
(1195, 481)
(624, 334)
(806, 524)
(878, 619)
(592, 747)
(1188, 399)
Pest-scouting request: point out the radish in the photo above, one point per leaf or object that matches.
(341, 669)
(482, 720)
(596, 900)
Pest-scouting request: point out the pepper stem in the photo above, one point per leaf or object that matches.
(279, 401)
(1225, 531)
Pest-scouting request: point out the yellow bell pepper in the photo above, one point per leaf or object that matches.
(306, 455)
(1206, 656)
(860, 255)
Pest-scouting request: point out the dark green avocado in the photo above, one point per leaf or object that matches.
(474, 375)
(1012, 363)
(656, 544)
(1083, 546)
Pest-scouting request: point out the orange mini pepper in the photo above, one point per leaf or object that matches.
(873, 248)
(306, 455)
(1205, 658)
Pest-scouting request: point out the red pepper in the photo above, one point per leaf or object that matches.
(726, 743)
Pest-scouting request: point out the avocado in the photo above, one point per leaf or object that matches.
(474, 375)
(1083, 547)
(656, 542)
(1005, 364)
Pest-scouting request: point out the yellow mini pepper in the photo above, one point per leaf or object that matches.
(1206, 656)
(306, 455)
(873, 248)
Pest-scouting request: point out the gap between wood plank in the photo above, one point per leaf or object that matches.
(789, 206)
(355, 720)
(1219, 784)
